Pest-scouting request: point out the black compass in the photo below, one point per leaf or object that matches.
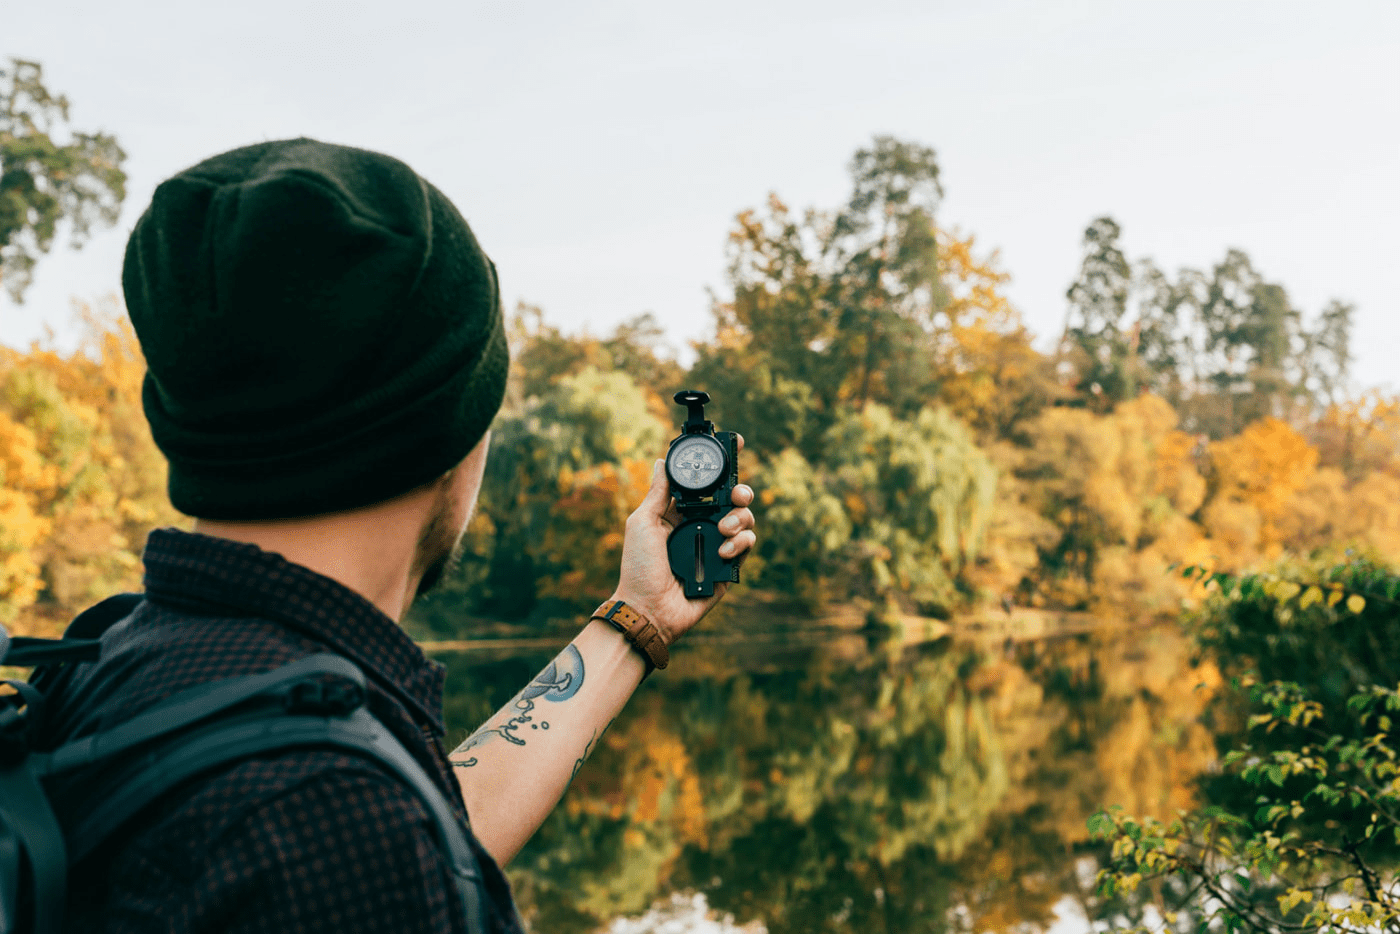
(703, 469)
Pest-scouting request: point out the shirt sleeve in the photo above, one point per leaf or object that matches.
(348, 849)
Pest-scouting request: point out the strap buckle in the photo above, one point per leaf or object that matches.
(324, 698)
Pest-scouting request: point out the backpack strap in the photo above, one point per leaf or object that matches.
(28, 652)
(200, 703)
(98, 618)
(31, 828)
(30, 834)
(110, 802)
(81, 641)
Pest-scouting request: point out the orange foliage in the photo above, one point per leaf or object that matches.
(584, 536)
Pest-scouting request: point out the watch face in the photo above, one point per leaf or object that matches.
(696, 463)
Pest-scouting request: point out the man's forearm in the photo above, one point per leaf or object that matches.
(516, 767)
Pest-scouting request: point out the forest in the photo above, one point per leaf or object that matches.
(1188, 464)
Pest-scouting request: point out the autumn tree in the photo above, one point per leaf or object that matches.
(541, 354)
(911, 448)
(1118, 490)
(987, 370)
(83, 481)
(49, 174)
(834, 308)
(1360, 436)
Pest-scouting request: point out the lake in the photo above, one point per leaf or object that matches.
(821, 778)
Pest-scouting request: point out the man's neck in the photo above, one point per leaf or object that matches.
(369, 550)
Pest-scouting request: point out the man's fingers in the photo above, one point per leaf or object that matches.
(741, 495)
(738, 544)
(736, 520)
(740, 438)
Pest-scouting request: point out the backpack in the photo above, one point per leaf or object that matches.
(59, 807)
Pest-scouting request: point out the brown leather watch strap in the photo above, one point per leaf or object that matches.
(637, 630)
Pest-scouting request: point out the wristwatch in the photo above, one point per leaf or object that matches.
(639, 631)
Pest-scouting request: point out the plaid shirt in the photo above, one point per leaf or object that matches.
(315, 841)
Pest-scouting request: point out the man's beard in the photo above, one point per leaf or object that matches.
(439, 547)
(434, 573)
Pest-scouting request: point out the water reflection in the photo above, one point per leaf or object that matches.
(827, 781)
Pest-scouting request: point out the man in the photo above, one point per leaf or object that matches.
(326, 352)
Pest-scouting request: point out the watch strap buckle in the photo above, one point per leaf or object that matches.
(641, 633)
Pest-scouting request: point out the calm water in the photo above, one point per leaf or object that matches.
(830, 781)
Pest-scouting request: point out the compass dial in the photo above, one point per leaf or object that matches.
(696, 462)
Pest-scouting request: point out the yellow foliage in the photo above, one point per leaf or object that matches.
(1176, 475)
(1262, 467)
(1121, 488)
(83, 481)
(991, 376)
(1272, 497)
(1372, 515)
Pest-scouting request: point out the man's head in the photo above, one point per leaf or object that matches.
(321, 329)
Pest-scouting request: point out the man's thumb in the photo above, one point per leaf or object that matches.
(658, 498)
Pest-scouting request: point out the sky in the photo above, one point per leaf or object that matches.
(600, 151)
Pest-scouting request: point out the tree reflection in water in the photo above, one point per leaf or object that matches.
(830, 782)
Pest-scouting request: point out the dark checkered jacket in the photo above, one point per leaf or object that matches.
(315, 841)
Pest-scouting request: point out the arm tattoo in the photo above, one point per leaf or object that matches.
(588, 749)
(560, 680)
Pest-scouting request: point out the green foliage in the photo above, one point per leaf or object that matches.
(1304, 829)
(805, 531)
(1226, 348)
(1098, 302)
(1335, 629)
(44, 181)
(920, 494)
(522, 542)
(835, 309)
(1318, 850)
(891, 510)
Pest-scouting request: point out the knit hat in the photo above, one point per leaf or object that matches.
(321, 330)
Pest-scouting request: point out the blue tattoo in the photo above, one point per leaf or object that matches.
(560, 680)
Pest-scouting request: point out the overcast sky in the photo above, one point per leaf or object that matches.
(601, 150)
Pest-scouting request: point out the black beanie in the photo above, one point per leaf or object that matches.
(321, 331)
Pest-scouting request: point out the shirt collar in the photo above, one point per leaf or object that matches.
(240, 579)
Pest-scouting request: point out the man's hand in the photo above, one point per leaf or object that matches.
(647, 583)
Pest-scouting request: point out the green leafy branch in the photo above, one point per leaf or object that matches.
(1281, 589)
(1310, 858)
